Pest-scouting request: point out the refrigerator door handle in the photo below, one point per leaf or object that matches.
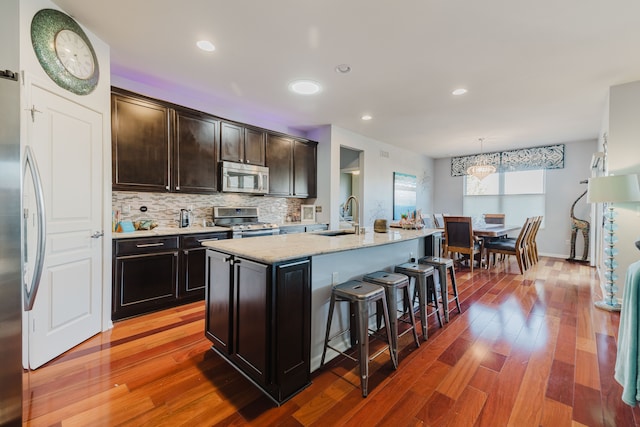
(31, 291)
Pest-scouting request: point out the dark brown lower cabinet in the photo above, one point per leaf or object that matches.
(145, 275)
(153, 273)
(258, 318)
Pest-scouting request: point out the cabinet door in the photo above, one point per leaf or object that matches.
(219, 300)
(304, 172)
(193, 274)
(254, 142)
(144, 283)
(195, 153)
(231, 142)
(193, 278)
(140, 144)
(293, 323)
(279, 160)
(251, 323)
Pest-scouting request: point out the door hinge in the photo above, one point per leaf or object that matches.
(33, 110)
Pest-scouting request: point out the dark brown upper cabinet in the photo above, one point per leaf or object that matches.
(254, 146)
(158, 146)
(292, 166)
(280, 163)
(304, 168)
(240, 144)
(195, 142)
(141, 145)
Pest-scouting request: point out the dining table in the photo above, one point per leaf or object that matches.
(495, 230)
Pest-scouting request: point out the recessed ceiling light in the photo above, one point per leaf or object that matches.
(304, 87)
(460, 91)
(206, 45)
(366, 117)
(343, 68)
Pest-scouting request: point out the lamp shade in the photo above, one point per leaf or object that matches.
(613, 189)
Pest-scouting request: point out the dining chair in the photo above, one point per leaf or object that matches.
(459, 238)
(532, 246)
(517, 247)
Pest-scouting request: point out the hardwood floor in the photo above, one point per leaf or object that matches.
(527, 350)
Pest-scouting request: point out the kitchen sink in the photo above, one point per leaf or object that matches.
(332, 233)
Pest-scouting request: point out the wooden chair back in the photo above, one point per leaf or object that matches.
(494, 218)
(518, 249)
(458, 236)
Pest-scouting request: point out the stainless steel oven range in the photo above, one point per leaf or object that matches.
(243, 222)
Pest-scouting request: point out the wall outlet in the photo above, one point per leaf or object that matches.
(126, 209)
(334, 278)
(567, 242)
(318, 209)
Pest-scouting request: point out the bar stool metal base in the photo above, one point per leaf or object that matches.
(359, 294)
(392, 283)
(426, 291)
(442, 265)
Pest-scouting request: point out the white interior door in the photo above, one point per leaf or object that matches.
(66, 139)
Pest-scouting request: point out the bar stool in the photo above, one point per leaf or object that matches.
(359, 294)
(392, 283)
(426, 289)
(442, 265)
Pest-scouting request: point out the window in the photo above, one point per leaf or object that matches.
(517, 194)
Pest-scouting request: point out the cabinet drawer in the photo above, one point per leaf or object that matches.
(196, 240)
(145, 245)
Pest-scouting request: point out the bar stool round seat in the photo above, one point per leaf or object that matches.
(359, 295)
(443, 265)
(392, 283)
(422, 275)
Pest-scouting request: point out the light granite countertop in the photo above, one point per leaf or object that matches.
(170, 231)
(283, 247)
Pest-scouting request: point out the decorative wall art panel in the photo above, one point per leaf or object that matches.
(547, 157)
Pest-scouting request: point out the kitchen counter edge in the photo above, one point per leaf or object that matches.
(285, 247)
(168, 231)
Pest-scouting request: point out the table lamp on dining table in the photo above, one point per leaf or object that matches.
(612, 189)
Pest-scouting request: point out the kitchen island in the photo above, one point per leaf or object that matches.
(268, 297)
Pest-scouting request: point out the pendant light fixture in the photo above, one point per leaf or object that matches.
(481, 167)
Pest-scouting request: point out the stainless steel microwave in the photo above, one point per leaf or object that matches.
(242, 178)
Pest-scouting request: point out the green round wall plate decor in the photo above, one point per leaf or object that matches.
(64, 51)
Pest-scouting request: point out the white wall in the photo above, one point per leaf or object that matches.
(624, 158)
(376, 173)
(562, 189)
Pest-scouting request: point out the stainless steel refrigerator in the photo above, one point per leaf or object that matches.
(10, 220)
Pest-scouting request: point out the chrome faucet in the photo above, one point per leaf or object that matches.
(356, 217)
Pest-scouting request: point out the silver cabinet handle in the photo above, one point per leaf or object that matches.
(166, 186)
(30, 292)
(149, 245)
(97, 235)
(177, 188)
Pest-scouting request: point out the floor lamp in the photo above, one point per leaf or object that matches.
(612, 189)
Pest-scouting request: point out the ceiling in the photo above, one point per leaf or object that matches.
(537, 72)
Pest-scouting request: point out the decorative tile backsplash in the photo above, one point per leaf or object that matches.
(164, 208)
